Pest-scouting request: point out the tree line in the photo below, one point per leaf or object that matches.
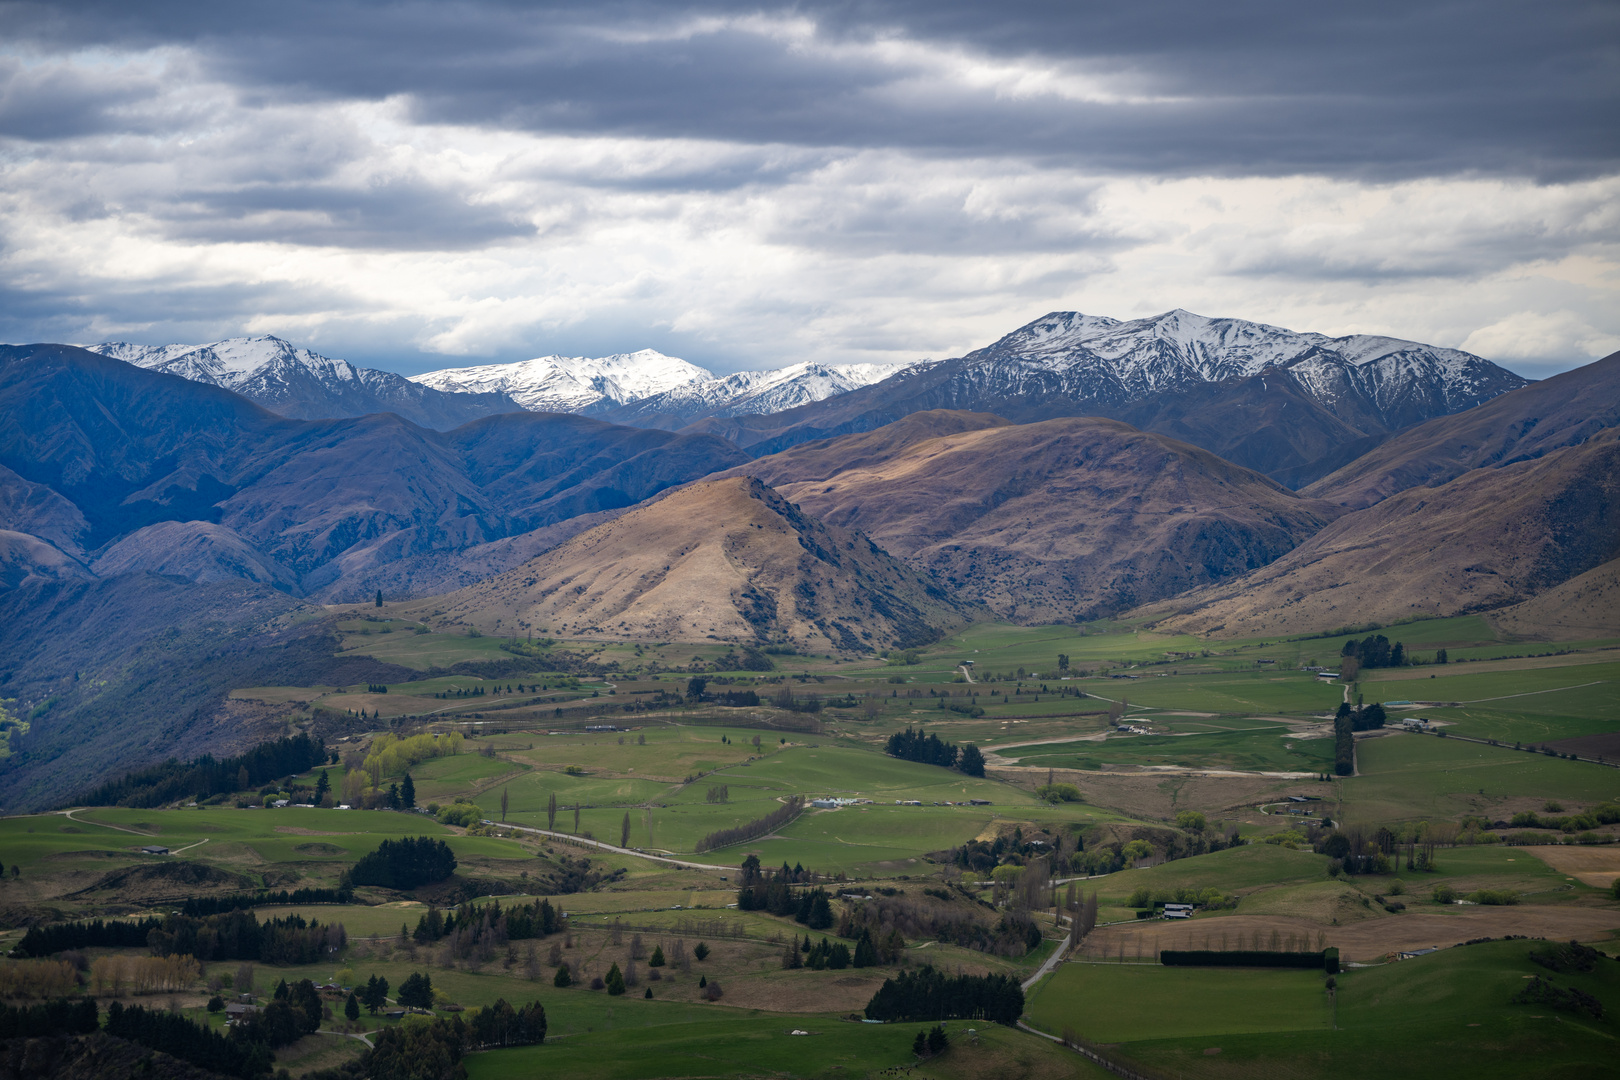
(232, 935)
(1348, 721)
(930, 749)
(753, 830)
(200, 906)
(928, 994)
(207, 776)
(1326, 959)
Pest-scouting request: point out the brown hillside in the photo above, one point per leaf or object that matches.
(1522, 424)
(1488, 538)
(727, 560)
(1585, 606)
(1072, 517)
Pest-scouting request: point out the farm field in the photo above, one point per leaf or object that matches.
(1446, 1014)
(1265, 748)
(1405, 777)
(1105, 1002)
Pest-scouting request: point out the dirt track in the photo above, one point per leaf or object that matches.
(1368, 940)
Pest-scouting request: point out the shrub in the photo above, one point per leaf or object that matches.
(1494, 897)
(1059, 793)
(461, 814)
(1444, 894)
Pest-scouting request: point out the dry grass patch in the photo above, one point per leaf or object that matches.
(1595, 866)
(1365, 941)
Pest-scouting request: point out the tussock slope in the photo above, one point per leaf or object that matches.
(1522, 424)
(1489, 538)
(1066, 518)
(1585, 606)
(727, 560)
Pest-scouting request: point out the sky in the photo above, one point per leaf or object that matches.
(415, 186)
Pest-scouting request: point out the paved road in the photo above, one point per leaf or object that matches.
(1051, 962)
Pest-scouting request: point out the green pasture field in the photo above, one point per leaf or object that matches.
(1125, 1003)
(1267, 749)
(438, 779)
(671, 751)
(1529, 705)
(862, 836)
(1406, 777)
(30, 840)
(1446, 1014)
(1240, 871)
(1249, 692)
(422, 651)
(724, 1045)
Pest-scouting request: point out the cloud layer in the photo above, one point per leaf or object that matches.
(749, 186)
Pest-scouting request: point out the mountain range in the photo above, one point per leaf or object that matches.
(1293, 405)
(121, 469)
(296, 382)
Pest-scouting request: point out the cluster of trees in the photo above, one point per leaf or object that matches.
(931, 1043)
(173, 1034)
(927, 994)
(403, 864)
(1604, 814)
(376, 688)
(502, 1025)
(824, 955)
(416, 992)
(143, 974)
(753, 830)
(207, 776)
(430, 1051)
(238, 935)
(92, 934)
(930, 749)
(294, 1011)
(536, 919)
(199, 906)
(389, 755)
(1208, 897)
(1374, 652)
(37, 979)
(65, 1016)
(718, 793)
(766, 890)
(1540, 991)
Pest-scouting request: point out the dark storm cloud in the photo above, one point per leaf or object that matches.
(1379, 90)
(405, 214)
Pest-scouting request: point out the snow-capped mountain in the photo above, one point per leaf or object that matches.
(572, 383)
(1117, 362)
(1286, 403)
(750, 393)
(299, 383)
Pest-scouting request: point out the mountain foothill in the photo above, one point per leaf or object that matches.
(1212, 476)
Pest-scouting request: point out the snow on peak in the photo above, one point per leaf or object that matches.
(569, 383)
(230, 363)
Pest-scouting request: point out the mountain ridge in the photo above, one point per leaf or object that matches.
(300, 384)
